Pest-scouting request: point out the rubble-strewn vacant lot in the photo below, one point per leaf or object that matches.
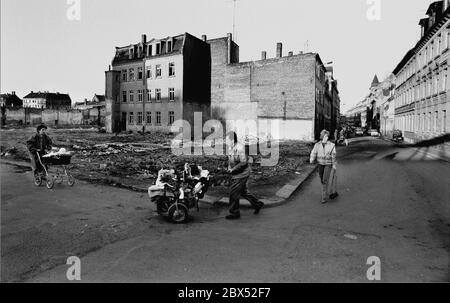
(133, 160)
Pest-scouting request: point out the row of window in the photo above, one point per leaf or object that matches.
(435, 48)
(129, 75)
(431, 86)
(129, 97)
(424, 122)
(148, 118)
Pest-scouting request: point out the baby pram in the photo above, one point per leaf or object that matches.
(62, 171)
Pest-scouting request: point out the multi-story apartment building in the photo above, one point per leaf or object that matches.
(154, 83)
(421, 97)
(47, 100)
(288, 91)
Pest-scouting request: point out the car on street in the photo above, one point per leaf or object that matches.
(374, 133)
(359, 132)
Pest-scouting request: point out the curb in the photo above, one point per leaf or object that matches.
(280, 197)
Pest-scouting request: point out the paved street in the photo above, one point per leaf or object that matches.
(393, 204)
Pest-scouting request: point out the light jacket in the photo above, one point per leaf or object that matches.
(324, 156)
(238, 161)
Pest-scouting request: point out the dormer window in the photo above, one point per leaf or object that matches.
(158, 48)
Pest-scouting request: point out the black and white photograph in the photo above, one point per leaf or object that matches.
(225, 147)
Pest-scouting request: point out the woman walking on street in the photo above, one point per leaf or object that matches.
(325, 153)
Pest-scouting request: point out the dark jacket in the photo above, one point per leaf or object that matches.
(238, 162)
(37, 142)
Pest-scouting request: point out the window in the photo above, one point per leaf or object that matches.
(140, 73)
(430, 125)
(124, 96)
(148, 118)
(158, 48)
(131, 118)
(149, 50)
(436, 121)
(171, 117)
(171, 94)
(444, 121)
(169, 46)
(131, 96)
(139, 118)
(444, 82)
(124, 75)
(149, 72)
(131, 74)
(158, 94)
(149, 95)
(172, 69)
(140, 96)
(158, 118)
(158, 71)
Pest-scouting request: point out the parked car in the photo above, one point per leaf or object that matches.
(359, 132)
(374, 133)
(397, 135)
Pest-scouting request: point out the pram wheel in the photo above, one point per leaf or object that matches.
(70, 180)
(50, 183)
(37, 180)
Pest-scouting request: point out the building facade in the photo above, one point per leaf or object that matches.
(288, 92)
(47, 100)
(152, 84)
(421, 97)
(10, 100)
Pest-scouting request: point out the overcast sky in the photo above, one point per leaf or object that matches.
(41, 49)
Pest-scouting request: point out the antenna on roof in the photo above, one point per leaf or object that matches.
(234, 19)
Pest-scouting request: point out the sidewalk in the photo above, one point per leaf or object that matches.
(429, 152)
(274, 194)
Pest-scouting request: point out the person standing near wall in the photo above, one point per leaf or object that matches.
(239, 168)
(324, 152)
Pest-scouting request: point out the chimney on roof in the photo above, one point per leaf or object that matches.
(204, 37)
(279, 50)
(229, 40)
(13, 93)
(144, 38)
(290, 54)
(263, 55)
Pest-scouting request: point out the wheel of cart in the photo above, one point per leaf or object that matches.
(178, 213)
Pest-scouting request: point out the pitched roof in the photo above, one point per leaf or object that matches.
(122, 53)
(52, 99)
(375, 81)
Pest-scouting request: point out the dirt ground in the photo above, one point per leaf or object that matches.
(133, 160)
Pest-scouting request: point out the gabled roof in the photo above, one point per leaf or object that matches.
(50, 97)
(100, 97)
(435, 7)
(375, 81)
